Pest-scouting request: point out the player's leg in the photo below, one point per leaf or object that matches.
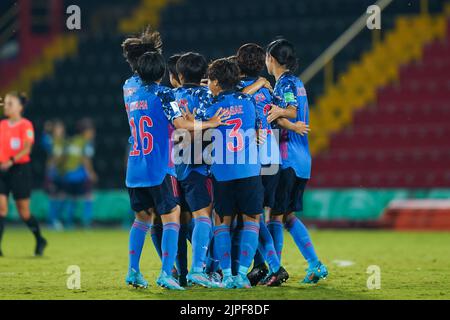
(3, 214)
(141, 203)
(316, 270)
(182, 259)
(224, 205)
(197, 195)
(281, 205)
(222, 247)
(250, 194)
(21, 189)
(266, 249)
(236, 236)
(156, 231)
(23, 208)
(167, 205)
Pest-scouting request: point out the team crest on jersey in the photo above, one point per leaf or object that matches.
(30, 134)
(289, 97)
(15, 143)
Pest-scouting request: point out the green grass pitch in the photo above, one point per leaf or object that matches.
(413, 266)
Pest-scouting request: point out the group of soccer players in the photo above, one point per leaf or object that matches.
(202, 165)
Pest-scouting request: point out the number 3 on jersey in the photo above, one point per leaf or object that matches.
(235, 133)
(145, 137)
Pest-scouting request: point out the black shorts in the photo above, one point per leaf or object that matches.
(289, 195)
(17, 180)
(270, 184)
(241, 196)
(196, 192)
(163, 198)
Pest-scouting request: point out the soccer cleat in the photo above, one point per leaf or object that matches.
(199, 278)
(216, 280)
(228, 282)
(168, 282)
(136, 280)
(242, 282)
(40, 246)
(257, 274)
(277, 278)
(315, 273)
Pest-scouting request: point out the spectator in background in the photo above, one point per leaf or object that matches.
(53, 141)
(79, 174)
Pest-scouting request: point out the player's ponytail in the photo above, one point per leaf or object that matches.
(134, 47)
(284, 53)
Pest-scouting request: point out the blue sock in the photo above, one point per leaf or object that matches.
(169, 246)
(222, 243)
(249, 245)
(181, 261)
(267, 248)
(276, 230)
(212, 264)
(301, 237)
(156, 231)
(200, 242)
(138, 233)
(88, 210)
(236, 236)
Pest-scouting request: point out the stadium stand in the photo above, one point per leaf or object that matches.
(403, 138)
(87, 80)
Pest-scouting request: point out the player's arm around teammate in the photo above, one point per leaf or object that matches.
(16, 142)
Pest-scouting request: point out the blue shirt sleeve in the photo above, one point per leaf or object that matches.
(169, 104)
(288, 95)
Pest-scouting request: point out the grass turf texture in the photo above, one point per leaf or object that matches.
(413, 266)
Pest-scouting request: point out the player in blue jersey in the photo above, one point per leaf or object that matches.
(192, 173)
(236, 170)
(292, 113)
(153, 114)
(172, 69)
(251, 62)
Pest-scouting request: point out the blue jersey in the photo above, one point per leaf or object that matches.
(191, 97)
(290, 91)
(235, 154)
(269, 151)
(151, 110)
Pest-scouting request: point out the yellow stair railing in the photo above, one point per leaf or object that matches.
(43, 66)
(147, 13)
(357, 87)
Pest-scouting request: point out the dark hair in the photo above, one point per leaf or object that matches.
(251, 59)
(172, 65)
(134, 47)
(232, 59)
(21, 96)
(151, 67)
(284, 52)
(225, 72)
(192, 66)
